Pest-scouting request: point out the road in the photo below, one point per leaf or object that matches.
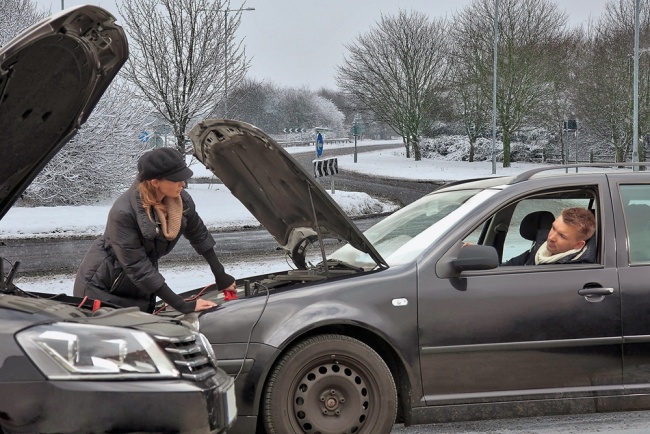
(396, 190)
(59, 256)
(633, 422)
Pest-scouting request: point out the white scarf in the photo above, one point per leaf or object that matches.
(543, 256)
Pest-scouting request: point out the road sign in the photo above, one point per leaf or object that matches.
(144, 137)
(570, 125)
(326, 167)
(319, 145)
(156, 141)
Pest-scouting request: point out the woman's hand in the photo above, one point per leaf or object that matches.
(230, 293)
(202, 304)
(232, 287)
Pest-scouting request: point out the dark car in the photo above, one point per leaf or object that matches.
(66, 364)
(416, 320)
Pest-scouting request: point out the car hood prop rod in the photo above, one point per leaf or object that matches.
(320, 236)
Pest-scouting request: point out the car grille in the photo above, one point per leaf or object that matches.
(189, 355)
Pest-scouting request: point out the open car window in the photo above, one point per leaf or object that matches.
(502, 230)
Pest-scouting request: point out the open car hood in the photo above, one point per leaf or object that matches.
(283, 197)
(51, 77)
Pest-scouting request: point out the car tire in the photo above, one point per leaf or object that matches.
(330, 384)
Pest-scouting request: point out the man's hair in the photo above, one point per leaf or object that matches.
(582, 219)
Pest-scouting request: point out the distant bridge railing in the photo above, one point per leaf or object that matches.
(555, 158)
(288, 143)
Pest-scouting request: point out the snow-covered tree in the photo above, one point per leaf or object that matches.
(273, 108)
(529, 32)
(183, 55)
(604, 84)
(397, 71)
(17, 15)
(100, 161)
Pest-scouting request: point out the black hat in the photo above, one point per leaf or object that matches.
(163, 163)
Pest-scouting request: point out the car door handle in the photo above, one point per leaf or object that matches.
(587, 292)
(595, 294)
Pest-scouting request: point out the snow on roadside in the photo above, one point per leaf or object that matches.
(218, 208)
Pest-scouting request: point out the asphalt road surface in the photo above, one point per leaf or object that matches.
(396, 190)
(60, 256)
(633, 422)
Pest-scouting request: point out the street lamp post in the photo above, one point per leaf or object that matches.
(635, 124)
(494, 86)
(225, 56)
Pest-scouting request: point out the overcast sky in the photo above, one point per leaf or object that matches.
(301, 42)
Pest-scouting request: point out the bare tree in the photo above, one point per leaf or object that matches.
(17, 15)
(470, 79)
(252, 103)
(100, 161)
(604, 95)
(396, 69)
(529, 31)
(273, 108)
(182, 53)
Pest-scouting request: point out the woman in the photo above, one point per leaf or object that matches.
(144, 224)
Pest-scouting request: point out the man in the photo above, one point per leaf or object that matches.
(566, 242)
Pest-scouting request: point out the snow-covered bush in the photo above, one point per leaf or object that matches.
(456, 148)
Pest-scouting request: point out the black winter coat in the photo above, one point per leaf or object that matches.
(121, 266)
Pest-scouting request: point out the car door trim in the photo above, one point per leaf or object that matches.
(529, 345)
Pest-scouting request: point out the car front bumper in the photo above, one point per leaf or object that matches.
(119, 406)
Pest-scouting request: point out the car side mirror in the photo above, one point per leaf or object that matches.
(476, 257)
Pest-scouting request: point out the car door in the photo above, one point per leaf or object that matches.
(631, 195)
(525, 332)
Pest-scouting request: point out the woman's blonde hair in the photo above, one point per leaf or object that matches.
(149, 200)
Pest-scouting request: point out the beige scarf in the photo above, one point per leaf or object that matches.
(170, 218)
(543, 256)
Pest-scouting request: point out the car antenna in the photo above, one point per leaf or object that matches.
(320, 236)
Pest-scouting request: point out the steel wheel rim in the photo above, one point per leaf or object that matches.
(331, 396)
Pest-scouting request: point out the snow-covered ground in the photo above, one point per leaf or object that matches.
(219, 209)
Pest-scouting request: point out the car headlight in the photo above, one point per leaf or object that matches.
(208, 349)
(66, 351)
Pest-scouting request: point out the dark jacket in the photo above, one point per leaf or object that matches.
(121, 266)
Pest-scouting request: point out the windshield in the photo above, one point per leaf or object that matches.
(403, 235)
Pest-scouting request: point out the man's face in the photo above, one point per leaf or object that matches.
(563, 237)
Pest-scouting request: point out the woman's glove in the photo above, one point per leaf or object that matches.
(221, 278)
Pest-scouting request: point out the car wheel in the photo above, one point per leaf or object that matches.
(330, 384)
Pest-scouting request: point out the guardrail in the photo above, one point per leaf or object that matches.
(338, 140)
(553, 158)
(288, 143)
